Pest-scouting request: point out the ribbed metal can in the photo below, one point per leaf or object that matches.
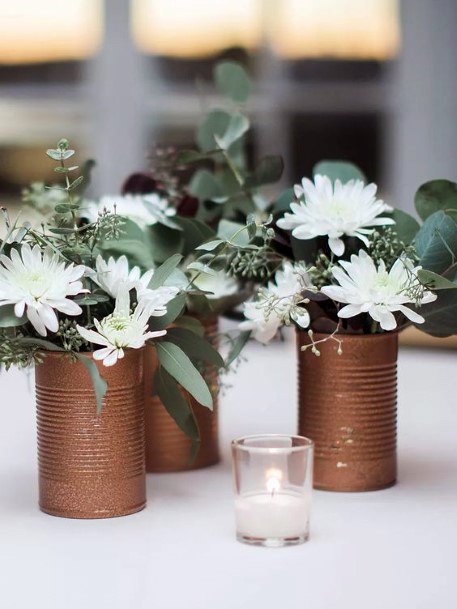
(90, 466)
(348, 406)
(168, 449)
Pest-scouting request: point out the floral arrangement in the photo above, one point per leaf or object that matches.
(333, 258)
(192, 196)
(61, 290)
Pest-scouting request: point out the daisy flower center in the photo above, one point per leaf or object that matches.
(35, 283)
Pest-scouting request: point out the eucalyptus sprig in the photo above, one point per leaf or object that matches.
(61, 154)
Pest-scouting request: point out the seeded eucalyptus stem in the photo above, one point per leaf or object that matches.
(70, 201)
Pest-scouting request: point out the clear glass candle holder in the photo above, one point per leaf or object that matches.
(273, 476)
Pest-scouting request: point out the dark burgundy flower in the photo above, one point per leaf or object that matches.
(139, 184)
(188, 206)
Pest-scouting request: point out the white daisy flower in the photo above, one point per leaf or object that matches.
(278, 304)
(121, 329)
(216, 284)
(335, 211)
(145, 210)
(38, 282)
(114, 274)
(365, 288)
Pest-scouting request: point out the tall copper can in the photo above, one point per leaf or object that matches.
(90, 466)
(348, 406)
(168, 449)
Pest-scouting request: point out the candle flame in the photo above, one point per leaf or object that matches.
(273, 480)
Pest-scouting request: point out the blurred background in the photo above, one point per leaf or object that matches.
(371, 81)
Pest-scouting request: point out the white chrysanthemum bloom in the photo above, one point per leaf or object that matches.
(278, 304)
(335, 211)
(114, 274)
(120, 330)
(216, 284)
(145, 210)
(38, 282)
(365, 288)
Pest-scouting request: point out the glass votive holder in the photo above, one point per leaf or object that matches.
(273, 476)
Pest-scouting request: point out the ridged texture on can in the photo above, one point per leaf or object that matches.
(90, 466)
(167, 447)
(348, 406)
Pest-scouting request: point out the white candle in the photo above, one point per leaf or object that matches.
(274, 514)
(277, 515)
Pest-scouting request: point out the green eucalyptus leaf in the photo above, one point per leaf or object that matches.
(60, 169)
(233, 232)
(62, 208)
(440, 315)
(175, 403)
(339, 170)
(237, 346)
(162, 273)
(99, 384)
(196, 347)
(62, 231)
(205, 185)
(135, 251)
(434, 196)
(162, 241)
(8, 319)
(436, 242)
(268, 171)
(174, 309)
(47, 345)
(236, 128)
(214, 124)
(66, 154)
(54, 154)
(180, 367)
(194, 233)
(191, 323)
(232, 81)
(406, 226)
(210, 245)
(433, 281)
(76, 183)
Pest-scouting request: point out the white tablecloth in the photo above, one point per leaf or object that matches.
(394, 548)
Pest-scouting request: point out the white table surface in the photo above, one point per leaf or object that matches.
(394, 548)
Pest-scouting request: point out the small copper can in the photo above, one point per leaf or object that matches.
(168, 449)
(90, 466)
(348, 407)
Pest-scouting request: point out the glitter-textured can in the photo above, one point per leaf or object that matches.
(90, 466)
(348, 407)
(168, 449)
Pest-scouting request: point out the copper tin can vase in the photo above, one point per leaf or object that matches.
(348, 406)
(90, 466)
(168, 449)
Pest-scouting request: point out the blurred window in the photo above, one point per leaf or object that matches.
(38, 31)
